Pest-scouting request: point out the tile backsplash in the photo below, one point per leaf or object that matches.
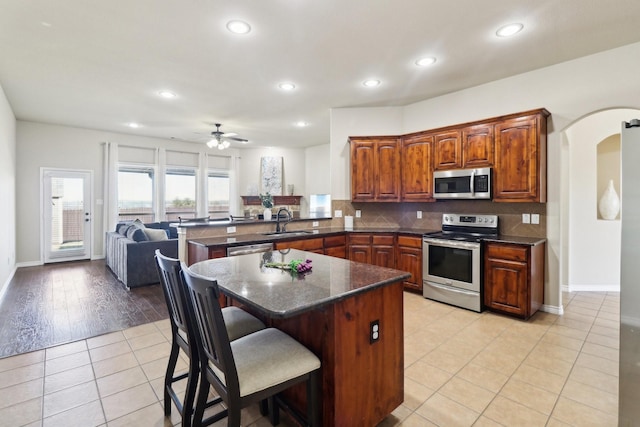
(404, 215)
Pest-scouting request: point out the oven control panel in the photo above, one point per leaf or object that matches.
(490, 221)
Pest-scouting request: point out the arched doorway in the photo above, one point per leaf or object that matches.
(590, 257)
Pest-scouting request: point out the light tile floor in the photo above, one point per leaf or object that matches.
(461, 369)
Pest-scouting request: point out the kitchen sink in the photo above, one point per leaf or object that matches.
(287, 233)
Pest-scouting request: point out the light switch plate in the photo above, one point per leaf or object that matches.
(315, 223)
(535, 218)
(231, 229)
(358, 213)
(338, 213)
(419, 214)
(526, 218)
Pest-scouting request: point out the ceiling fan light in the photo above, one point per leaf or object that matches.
(226, 144)
(212, 143)
(220, 146)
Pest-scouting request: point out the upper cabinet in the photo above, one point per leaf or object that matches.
(394, 169)
(447, 150)
(417, 171)
(477, 146)
(520, 172)
(375, 169)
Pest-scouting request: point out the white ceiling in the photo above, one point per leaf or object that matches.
(99, 64)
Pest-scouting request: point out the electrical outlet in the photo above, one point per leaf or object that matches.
(526, 219)
(419, 214)
(535, 218)
(338, 213)
(374, 331)
(358, 213)
(231, 229)
(315, 223)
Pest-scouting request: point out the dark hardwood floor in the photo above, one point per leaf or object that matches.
(64, 302)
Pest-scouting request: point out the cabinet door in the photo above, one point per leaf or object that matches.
(506, 285)
(311, 245)
(477, 146)
(383, 250)
(520, 160)
(360, 253)
(417, 173)
(447, 150)
(362, 170)
(409, 259)
(387, 169)
(336, 251)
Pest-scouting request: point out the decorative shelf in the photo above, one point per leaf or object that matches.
(277, 200)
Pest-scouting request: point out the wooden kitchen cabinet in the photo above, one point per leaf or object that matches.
(447, 150)
(409, 259)
(417, 168)
(375, 169)
(514, 278)
(520, 172)
(315, 245)
(336, 246)
(373, 248)
(477, 146)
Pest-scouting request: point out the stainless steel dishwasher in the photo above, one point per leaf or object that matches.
(249, 249)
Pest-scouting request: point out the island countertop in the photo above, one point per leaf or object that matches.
(281, 293)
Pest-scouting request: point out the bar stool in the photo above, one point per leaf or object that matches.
(185, 335)
(250, 369)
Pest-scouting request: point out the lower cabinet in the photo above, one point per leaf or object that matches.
(514, 278)
(315, 245)
(409, 258)
(336, 246)
(373, 248)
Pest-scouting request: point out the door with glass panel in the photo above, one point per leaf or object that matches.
(66, 208)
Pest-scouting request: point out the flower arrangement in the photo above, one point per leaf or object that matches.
(266, 200)
(296, 265)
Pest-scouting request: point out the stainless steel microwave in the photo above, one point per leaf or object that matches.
(462, 184)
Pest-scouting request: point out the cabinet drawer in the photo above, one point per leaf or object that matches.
(332, 241)
(359, 239)
(303, 245)
(508, 252)
(410, 242)
(385, 239)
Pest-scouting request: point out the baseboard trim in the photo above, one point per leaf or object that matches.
(6, 283)
(553, 309)
(591, 288)
(29, 264)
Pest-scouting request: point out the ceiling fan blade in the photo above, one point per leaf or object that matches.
(235, 139)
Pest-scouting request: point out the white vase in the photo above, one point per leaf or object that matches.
(267, 214)
(609, 204)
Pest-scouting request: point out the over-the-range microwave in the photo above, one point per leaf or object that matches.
(462, 184)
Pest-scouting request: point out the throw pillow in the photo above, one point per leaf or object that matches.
(139, 223)
(122, 228)
(155, 234)
(136, 234)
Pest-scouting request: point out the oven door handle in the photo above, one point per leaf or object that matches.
(451, 289)
(451, 243)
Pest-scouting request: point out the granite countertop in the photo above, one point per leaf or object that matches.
(255, 238)
(531, 241)
(278, 293)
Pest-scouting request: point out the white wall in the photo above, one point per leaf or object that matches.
(592, 243)
(7, 191)
(569, 91)
(42, 145)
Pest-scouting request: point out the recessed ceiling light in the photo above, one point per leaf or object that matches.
(509, 30)
(287, 86)
(424, 62)
(371, 83)
(45, 24)
(301, 124)
(134, 125)
(167, 94)
(238, 27)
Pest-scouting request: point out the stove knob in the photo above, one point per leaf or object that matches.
(491, 220)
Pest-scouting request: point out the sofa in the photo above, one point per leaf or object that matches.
(130, 250)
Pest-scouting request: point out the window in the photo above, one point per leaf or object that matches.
(180, 194)
(135, 193)
(218, 188)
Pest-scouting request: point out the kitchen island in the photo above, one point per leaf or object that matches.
(334, 310)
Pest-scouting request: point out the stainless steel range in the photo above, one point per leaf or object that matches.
(452, 259)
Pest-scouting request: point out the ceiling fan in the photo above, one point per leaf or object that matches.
(221, 139)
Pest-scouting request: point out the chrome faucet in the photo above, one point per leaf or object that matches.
(278, 229)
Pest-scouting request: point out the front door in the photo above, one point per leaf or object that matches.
(66, 214)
